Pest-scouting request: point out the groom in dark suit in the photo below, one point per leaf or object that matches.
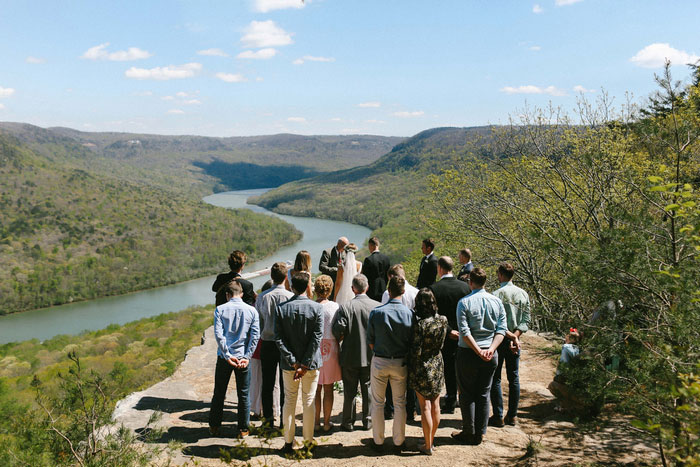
(428, 265)
(332, 258)
(375, 267)
(448, 292)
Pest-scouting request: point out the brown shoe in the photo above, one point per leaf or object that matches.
(243, 433)
(497, 422)
(512, 421)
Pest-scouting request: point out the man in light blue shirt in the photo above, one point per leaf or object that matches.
(389, 337)
(237, 329)
(481, 320)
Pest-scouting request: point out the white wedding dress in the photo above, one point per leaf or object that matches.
(345, 293)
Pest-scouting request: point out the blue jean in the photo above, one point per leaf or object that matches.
(474, 378)
(512, 361)
(222, 377)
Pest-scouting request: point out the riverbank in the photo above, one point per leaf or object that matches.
(543, 436)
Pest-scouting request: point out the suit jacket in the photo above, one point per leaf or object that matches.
(466, 269)
(428, 271)
(375, 268)
(298, 332)
(329, 262)
(448, 292)
(248, 291)
(350, 325)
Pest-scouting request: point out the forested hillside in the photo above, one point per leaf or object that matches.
(204, 164)
(388, 194)
(68, 234)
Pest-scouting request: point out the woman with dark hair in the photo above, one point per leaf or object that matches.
(301, 263)
(425, 367)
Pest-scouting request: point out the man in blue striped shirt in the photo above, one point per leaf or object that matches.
(481, 319)
(237, 330)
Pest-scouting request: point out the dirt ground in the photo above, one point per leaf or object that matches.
(543, 436)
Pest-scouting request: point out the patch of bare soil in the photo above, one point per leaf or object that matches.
(543, 435)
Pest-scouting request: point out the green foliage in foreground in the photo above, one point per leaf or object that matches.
(43, 391)
(68, 234)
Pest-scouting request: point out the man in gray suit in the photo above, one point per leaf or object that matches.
(350, 328)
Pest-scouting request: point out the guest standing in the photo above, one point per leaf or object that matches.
(375, 267)
(409, 296)
(389, 336)
(465, 260)
(256, 368)
(350, 328)
(266, 304)
(330, 366)
(448, 292)
(516, 303)
(425, 367)
(301, 263)
(237, 330)
(298, 333)
(236, 261)
(481, 319)
(428, 265)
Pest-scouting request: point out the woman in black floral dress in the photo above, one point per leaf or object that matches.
(425, 367)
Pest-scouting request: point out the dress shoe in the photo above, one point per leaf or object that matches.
(367, 425)
(512, 421)
(376, 447)
(214, 430)
(288, 448)
(496, 421)
(476, 439)
(346, 427)
(463, 437)
(400, 448)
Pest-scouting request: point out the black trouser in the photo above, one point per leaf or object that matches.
(448, 357)
(351, 378)
(269, 361)
(222, 376)
(474, 377)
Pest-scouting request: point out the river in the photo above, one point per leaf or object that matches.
(74, 318)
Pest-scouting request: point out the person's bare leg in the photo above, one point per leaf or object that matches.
(327, 405)
(426, 421)
(317, 417)
(435, 412)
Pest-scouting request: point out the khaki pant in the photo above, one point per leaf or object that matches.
(308, 394)
(387, 371)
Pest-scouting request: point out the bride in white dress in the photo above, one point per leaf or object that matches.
(351, 267)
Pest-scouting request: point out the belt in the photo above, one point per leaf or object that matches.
(401, 357)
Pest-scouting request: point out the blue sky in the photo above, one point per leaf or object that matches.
(389, 67)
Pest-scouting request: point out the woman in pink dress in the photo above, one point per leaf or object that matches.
(330, 369)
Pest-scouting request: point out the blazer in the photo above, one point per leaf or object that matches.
(428, 271)
(248, 291)
(329, 262)
(375, 268)
(350, 325)
(448, 292)
(298, 332)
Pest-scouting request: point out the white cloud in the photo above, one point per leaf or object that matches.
(535, 48)
(262, 54)
(375, 121)
(404, 114)
(188, 70)
(261, 34)
(35, 60)
(6, 92)
(192, 102)
(531, 89)
(176, 112)
(350, 131)
(336, 119)
(212, 53)
(579, 88)
(231, 77)
(566, 2)
(259, 79)
(537, 9)
(655, 55)
(373, 104)
(168, 98)
(311, 58)
(296, 119)
(99, 52)
(263, 6)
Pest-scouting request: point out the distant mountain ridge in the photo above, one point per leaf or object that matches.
(219, 163)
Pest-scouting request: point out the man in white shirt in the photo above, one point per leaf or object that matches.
(409, 296)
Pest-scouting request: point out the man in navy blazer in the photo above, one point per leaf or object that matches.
(428, 265)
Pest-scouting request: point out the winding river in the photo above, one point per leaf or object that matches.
(97, 314)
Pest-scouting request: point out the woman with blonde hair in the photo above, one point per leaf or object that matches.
(330, 367)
